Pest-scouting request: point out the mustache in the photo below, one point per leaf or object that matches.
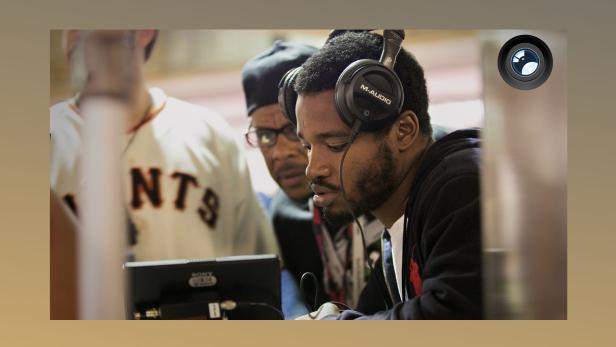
(320, 182)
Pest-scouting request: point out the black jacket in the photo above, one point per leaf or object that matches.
(442, 244)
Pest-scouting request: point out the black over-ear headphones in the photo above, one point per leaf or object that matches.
(367, 91)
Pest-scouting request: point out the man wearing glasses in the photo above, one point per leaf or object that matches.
(333, 253)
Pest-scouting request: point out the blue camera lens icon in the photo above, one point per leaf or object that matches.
(525, 62)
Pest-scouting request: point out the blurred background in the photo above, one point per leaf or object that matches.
(524, 173)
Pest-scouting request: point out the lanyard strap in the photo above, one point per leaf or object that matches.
(335, 269)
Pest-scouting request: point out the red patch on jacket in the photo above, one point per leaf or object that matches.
(415, 278)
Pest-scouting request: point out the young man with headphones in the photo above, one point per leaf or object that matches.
(332, 252)
(368, 135)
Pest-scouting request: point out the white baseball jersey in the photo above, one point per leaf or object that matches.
(188, 189)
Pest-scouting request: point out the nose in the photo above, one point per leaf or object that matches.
(317, 165)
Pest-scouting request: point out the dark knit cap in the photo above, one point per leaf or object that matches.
(262, 73)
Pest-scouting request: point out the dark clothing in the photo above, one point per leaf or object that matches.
(293, 227)
(441, 267)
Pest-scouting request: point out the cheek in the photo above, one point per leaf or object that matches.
(269, 159)
(351, 173)
(296, 148)
(358, 165)
(303, 157)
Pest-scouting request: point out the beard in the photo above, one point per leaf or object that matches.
(373, 186)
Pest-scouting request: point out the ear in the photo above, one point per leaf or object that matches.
(406, 130)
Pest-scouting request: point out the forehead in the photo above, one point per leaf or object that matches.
(317, 116)
(269, 116)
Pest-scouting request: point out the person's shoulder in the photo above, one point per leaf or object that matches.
(186, 117)
(62, 115)
(282, 206)
(465, 161)
(58, 106)
(191, 109)
(457, 153)
(60, 109)
(450, 161)
(195, 113)
(449, 177)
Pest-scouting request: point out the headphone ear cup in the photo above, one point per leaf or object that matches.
(287, 97)
(369, 91)
(341, 92)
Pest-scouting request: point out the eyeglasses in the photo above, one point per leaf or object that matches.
(266, 137)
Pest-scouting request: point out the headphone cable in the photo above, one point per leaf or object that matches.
(354, 132)
(230, 305)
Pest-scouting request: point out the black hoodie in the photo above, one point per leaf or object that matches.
(442, 240)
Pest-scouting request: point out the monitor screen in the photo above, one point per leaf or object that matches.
(239, 287)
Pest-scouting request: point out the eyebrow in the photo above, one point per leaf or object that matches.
(327, 135)
(267, 128)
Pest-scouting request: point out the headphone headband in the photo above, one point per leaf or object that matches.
(392, 42)
(367, 91)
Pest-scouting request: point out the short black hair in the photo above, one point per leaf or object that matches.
(320, 72)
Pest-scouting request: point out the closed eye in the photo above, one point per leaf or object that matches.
(337, 148)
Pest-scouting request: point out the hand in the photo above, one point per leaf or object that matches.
(327, 309)
(106, 62)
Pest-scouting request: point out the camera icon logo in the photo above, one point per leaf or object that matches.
(525, 62)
